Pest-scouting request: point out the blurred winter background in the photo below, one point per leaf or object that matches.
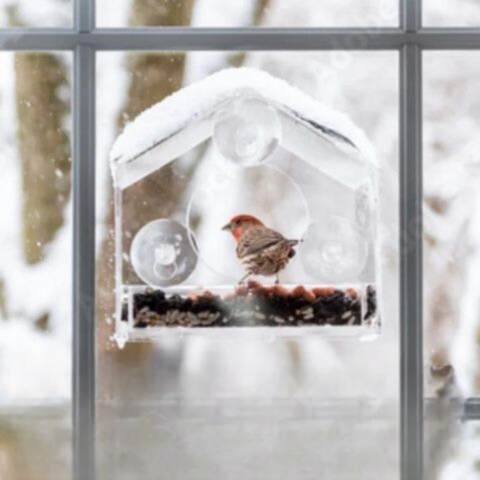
(199, 408)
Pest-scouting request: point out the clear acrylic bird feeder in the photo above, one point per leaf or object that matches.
(244, 142)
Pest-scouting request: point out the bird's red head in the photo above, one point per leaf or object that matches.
(239, 224)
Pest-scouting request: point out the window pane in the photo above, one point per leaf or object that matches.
(36, 14)
(451, 13)
(451, 443)
(35, 266)
(452, 253)
(197, 406)
(245, 13)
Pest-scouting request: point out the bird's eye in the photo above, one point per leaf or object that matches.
(238, 223)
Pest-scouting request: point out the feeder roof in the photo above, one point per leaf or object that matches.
(158, 125)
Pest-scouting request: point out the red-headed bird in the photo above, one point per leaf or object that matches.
(261, 250)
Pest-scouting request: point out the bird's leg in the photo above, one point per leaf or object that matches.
(242, 280)
(277, 279)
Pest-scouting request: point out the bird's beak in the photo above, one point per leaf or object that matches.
(227, 227)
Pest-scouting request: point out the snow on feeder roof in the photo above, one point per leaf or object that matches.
(173, 127)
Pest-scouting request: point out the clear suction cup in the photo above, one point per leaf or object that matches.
(162, 253)
(248, 133)
(334, 251)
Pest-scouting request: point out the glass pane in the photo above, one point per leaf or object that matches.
(204, 404)
(35, 266)
(451, 443)
(451, 13)
(247, 13)
(36, 14)
(452, 246)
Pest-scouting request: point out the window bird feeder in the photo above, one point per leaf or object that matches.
(251, 146)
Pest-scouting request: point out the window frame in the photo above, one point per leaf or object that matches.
(85, 40)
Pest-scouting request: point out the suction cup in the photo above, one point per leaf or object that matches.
(162, 253)
(248, 133)
(334, 251)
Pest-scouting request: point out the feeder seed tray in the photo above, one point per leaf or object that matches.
(253, 305)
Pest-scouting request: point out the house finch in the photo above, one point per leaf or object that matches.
(261, 250)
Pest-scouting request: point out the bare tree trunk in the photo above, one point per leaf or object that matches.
(152, 78)
(44, 149)
(161, 13)
(261, 11)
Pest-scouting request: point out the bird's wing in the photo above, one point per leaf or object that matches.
(256, 240)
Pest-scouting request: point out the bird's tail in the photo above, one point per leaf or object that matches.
(294, 243)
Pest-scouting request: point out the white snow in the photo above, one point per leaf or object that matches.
(39, 13)
(451, 13)
(333, 13)
(112, 13)
(35, 366)
(207, 13)
(196, 101)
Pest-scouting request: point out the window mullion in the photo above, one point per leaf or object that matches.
(84, 15)
(411, 272)
(411, 15)
(83, 409)
(187, 39)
